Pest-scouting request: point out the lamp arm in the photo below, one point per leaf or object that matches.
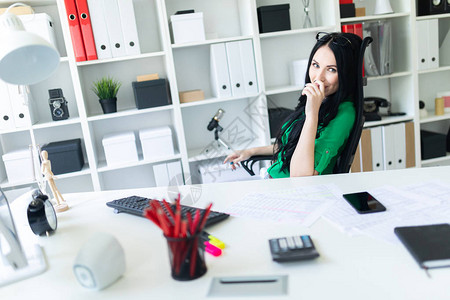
(15, 257)
(14, 5)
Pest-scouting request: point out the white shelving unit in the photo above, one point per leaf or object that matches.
(186, 67)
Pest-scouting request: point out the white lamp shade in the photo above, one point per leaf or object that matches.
(383, 7)
(25, 58)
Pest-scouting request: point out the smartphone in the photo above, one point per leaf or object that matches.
(364, 203)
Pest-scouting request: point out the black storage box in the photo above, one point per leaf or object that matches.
(274, 18)
(151, 93)
(432, 144)
(65, 156)
(347, 10)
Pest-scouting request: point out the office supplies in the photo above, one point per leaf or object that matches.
(292, 248)
(84, 17)
(364, 202)
(114, 26)
(22, 106)
(212, 249)
(250, 82)
(75, 30)
(235, 68)
(129, 29)
(100, 262)
(220, 76)
(6, 114)
(428, 244)
(250, 286)
(427, 44)
(99, 29)
(399, 133)
(213, 240)
(136, 205)
(378, 58)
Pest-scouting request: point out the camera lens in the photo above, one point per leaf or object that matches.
(58, 112)
(56, 104)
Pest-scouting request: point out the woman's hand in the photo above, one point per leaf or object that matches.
(315, 93)
(237, 157)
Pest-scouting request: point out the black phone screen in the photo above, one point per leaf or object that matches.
(364, 203)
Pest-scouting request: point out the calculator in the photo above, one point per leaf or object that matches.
(292, 248)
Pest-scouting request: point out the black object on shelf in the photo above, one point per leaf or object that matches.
(277, 116)
(183, 12)
(431, 7)
(432, 144)
(347, 10)
(151, 93)
(274, 18)
(65, 156)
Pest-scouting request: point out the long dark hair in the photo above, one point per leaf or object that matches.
(345, 47)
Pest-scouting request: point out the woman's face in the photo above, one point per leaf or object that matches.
(323, 68)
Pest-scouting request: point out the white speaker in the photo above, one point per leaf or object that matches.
(100, 262)
(383, 7)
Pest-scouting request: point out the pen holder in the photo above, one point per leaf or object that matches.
(187, 257)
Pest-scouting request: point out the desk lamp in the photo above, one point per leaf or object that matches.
(25, 58)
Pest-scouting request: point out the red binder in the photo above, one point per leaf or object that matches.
(86, 29)
(75, 30)
(348, 28)
(358, 30)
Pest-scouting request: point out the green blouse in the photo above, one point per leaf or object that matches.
(328, 145)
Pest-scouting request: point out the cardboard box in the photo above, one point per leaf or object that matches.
(19, 10)
(66, 156)
(147, 77)
(191, 96)
(19, 165)
(120, 148)
(156, 142)
(360, 12)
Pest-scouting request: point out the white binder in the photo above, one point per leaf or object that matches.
(399, 145)
(248, 67)
(388, 147)
(114, 26)
(220, 77)
(20, 100)
(235, 68)
(433, 43)
(175, 173)
(427, 44)
(6, 115)
(161, 174)
(99, 29)
(129, 29)
(377, 148)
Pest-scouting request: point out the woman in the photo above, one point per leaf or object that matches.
(314, 135)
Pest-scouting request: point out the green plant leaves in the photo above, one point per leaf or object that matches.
(106, 87)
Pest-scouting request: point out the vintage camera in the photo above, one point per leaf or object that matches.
(58, 105)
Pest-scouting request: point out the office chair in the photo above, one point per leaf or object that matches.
(345, 159)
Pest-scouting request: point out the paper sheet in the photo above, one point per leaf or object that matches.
(304, 205)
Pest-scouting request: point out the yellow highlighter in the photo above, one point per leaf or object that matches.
(213, 240)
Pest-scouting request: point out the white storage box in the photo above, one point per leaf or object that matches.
(19, 166)
(187, 28)
(120, 148)
(40, 24)
(297, 72)
(156, 142)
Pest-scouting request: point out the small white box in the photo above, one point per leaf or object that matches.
(187, 28)
(156, 142)
(297, 71)
(120, 148)
(40, 24)
(19, 166)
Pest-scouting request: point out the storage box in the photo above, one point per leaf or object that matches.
(151, 93)
(191, 96)
(66, 156)
(40, 24)
(187, 28)
(432, 144)
(274, 18)
(156, 142)
(19, 166)
(120, 148)
(297, 72)
(347, 10)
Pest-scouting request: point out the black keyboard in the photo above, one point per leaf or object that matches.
(136, 205)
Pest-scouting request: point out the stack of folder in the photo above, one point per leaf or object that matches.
(102, 29)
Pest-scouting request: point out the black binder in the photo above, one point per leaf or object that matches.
(428, 244)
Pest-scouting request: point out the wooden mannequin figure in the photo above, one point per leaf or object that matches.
(46, 168)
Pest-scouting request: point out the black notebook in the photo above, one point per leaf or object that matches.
(428, 244)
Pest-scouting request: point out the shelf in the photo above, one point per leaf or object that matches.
(431, 17)
(213, 41)
(375, 17)
(393, 75)
(13, 130)
(432, 118)
(388, 120)
(296, 31)
(216, 100)
(103, 167)
(440, 69)
(84, 171)
(56, 123)
(283, 89)
(64, 59)
(436, 160)
(215, 150)
(6, 184)
(129, 112)
(118, 59)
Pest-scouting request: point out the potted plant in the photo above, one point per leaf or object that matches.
(106, 90)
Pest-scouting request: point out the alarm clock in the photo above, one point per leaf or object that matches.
(41, 215)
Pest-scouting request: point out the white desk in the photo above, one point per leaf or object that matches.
(348, 267)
